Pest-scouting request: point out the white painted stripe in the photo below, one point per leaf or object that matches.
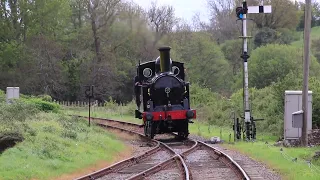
(255, 9)
(267, 9)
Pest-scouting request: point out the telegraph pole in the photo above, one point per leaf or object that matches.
(307, 29)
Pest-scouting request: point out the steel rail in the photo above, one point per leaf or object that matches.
(111, 120)
(175, 159)
(133, 160)
(226, 159)
(229, 161)
(123, 163)
(223, 157)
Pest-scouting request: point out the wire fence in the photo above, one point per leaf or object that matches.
(312, 167)
(79, 103)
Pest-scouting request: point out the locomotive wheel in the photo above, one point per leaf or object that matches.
(149, 130)
(183, 135)
(146, 129)
(184, 132)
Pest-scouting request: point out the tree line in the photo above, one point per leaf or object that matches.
(58, 47)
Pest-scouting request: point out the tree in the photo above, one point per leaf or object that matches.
(197, 24)
(224, 24)
(49, 18)
(284, 15)
(271, 63)
(161, 20)
(293, 81)
(102, 14)
(269, 36)
(315, 48)
(205, 62)
(232, 50)
(78, 8)
(315, 15)
(223, 19)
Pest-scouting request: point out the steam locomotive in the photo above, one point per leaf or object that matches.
(161, 88)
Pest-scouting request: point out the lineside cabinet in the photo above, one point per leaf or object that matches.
(12, 93)
(293, 104)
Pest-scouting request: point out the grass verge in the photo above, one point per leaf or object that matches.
(55, 144)
(315, 34)
(102, 112)
(284, 161)
(281, 161)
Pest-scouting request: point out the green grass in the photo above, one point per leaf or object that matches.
(315, 34)
(283, 164)
(269, 155)
(102, 112)
(225, 133)
(199, 128)
(54, 145)
(204, 130)
(265, 153)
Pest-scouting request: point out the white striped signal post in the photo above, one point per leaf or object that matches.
(242, 14)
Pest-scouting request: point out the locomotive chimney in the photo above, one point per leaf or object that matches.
(165, 61)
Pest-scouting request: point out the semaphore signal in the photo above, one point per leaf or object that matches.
(241, 13)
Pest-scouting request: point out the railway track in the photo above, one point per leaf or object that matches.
(170, 158)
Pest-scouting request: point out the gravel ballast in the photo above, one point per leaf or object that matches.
(254, 169)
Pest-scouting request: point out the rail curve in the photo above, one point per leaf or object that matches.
(177, 159)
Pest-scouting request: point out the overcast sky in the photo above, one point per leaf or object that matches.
(185, 8)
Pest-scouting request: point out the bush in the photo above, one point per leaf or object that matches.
(294, 82)
(316, 48)
(210, 106)
(111, 104)
(271, 63)
(43, 105)
(18, 111)
(270, 36)
(232, 49)
(268, 102)
(205, 62)
(69, 134)
(13, 119)
(130, 108)
(2, 96)
(263, 105)
(45, 97)
(265, 36)
(287, 36)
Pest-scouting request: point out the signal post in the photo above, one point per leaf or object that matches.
(242, 15)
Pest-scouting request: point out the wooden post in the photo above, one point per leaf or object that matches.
(307, 29)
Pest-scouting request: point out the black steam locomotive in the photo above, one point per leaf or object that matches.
(161, 88)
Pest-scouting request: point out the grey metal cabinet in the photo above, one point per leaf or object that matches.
(293, 103)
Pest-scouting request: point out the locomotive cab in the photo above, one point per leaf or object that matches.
(164, 95)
